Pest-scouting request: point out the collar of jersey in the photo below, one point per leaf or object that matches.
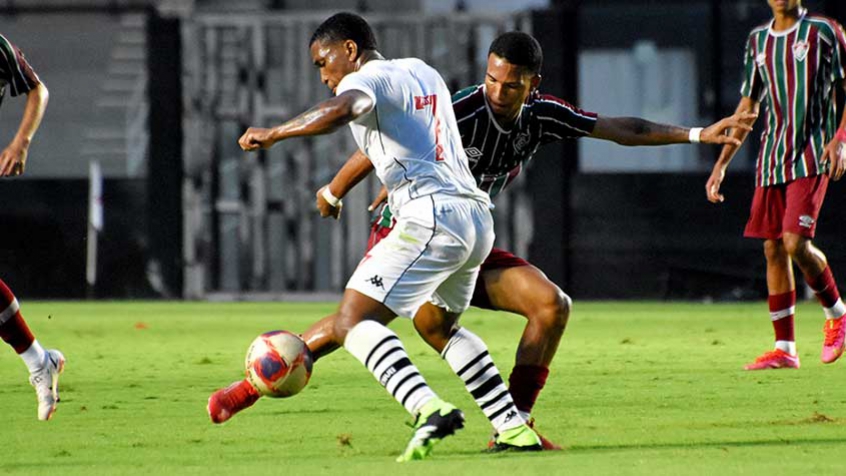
(491, 114)
(802, 13)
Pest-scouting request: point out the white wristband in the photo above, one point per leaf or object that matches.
(331, 199)
(694, 136)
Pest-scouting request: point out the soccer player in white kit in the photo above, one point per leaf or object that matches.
(400, 115)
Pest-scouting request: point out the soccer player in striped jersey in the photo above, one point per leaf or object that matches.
(44, 365)
(502, 124)
(399, 114)
(795, 62)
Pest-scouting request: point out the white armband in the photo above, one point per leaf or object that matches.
(694, 136)
(331, 199)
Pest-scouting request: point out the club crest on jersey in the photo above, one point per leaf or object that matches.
(800, 50)
(522, 141)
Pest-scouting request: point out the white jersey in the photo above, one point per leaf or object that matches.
(411, 135)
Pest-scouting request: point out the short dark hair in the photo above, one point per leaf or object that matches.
(519, 49)
(345, 26)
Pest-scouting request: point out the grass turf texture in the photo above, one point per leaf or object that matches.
(636, 388)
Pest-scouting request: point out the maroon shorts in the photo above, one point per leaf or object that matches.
(792, 207)
(497, 259)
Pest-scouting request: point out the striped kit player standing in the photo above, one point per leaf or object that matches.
(795, 63)
(44, 365)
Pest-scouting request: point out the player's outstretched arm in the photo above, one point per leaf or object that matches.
(712, 187)
(13, 157)
(323, 118)
(636, 131)
(356, 168)
(835, 151)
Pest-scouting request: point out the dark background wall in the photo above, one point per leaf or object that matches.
(656, 236)
(42, 251)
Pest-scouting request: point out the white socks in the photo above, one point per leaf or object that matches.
(468, 357)
(381, 351)
(34, 357)
(788, 346)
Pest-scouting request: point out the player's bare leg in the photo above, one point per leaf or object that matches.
(320, 337)
(525, 290)
(819, 277)
(782, 301)
(468, 357)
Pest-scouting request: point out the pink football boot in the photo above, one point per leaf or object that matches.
(776, 359)
(834, 331)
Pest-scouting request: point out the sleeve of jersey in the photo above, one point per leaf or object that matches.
(19, 74)
(839, 57)
(561, 120)
(752, 86)
(359, 81)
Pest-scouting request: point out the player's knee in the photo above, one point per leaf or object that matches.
(554, 310)
(434, 332)
(775, 250)
(797, 246)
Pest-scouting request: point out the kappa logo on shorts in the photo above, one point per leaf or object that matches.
(376, 281)
(806, 221)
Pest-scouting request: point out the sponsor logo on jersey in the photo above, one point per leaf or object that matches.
(761, 59)
(805, 221)
(473, 153)
(800, 50)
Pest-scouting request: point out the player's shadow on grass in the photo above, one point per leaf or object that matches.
(708, 444)
(725, 445)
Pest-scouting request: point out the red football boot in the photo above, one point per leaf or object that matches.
(226, 402)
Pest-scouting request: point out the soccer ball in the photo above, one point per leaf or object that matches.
(278, 364)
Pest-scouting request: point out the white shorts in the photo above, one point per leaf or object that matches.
(432, 254)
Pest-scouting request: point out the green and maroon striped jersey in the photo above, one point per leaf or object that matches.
(796, 71)
(15, 71)
(497, 155)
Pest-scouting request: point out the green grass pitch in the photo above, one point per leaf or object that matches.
(636, 388)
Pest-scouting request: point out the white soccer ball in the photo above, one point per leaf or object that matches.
(278, 364)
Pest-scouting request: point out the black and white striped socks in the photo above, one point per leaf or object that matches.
(468, 357)
(381, 351)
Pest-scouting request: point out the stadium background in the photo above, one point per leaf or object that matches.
(158, 92)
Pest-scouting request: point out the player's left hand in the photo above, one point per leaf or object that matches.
(325, 208)
(718, 133)
(256, 138)
(835, 155)
(13, 160)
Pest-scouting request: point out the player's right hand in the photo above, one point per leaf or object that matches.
(256, 138)
(712, 188)
(325, 208)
